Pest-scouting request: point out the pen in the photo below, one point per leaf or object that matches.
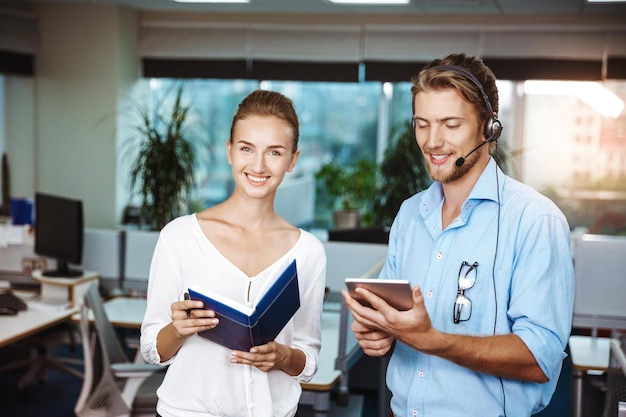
(189, 310)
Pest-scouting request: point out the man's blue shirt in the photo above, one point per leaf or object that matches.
(529, 291)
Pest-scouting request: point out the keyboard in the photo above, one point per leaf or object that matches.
(12, 301)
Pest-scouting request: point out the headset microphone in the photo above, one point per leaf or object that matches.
(461, 160)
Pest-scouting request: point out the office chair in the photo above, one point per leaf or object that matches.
(615, 399)
(113, 385)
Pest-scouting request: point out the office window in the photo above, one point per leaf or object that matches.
(571, 142)
(556, 140)
(338, 121)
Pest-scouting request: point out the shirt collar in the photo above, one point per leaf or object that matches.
(488, 187)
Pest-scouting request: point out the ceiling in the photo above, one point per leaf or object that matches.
(468, 8)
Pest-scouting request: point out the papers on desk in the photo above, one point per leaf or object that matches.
(49, 305)
(13, 235)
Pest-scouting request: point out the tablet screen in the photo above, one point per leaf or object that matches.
(397, 293)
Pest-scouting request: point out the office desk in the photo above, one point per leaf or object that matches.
(125, 312)
(587, 354)
(36, 318)
(29, 322)
(72, 289)
(128, 313)
(317, 391)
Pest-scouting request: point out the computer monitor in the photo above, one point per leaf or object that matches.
(59, 233)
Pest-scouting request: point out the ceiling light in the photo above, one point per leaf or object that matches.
(606, 1)
(370, 2)
(212, 1)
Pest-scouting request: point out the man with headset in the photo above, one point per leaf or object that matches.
(489, 261)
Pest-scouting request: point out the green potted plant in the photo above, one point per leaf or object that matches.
(162, 172)
(349, 189)
(401, 174)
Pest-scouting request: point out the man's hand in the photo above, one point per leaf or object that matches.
(373, 342)
(412, 326)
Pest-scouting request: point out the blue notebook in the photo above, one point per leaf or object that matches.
(241, 326)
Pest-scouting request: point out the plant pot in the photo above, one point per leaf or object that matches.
(347, 219)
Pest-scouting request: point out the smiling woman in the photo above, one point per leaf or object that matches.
(235, 249)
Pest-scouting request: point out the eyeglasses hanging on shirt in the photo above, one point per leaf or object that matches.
(467, 279)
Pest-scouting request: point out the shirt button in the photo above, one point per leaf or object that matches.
(439, 255)
(414, 412)
(421, 374)
(430, 293)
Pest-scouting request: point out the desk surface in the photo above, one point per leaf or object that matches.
(125, 312)
(64, 281)
(29, 322)
(590, 353)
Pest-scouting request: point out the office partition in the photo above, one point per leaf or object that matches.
(600, 269)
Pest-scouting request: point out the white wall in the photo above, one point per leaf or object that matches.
(19, 134)
(80, 69)
(85, 65)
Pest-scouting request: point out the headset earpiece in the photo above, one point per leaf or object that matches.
(493, 129)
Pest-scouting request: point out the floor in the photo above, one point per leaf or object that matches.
(57, 395)
(356, 408)
(54, 397)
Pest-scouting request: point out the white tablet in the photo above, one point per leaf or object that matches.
(396, 292)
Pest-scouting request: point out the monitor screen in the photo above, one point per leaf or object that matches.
(59, 233)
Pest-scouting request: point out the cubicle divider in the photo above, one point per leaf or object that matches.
(139, 247)
(103, 252)
(350, 260)
(599, 265)
(600, 270)
(120, 257)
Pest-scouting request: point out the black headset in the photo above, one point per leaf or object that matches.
(493, 127)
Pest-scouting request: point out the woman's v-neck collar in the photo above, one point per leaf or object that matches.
(204, 240)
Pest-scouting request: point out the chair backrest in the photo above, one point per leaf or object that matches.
(112, 350)
(100, 394)
(615, 397)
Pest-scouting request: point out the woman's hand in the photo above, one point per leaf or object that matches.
(189, 317)
(271, 356)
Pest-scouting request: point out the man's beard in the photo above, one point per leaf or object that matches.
(445, 174)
